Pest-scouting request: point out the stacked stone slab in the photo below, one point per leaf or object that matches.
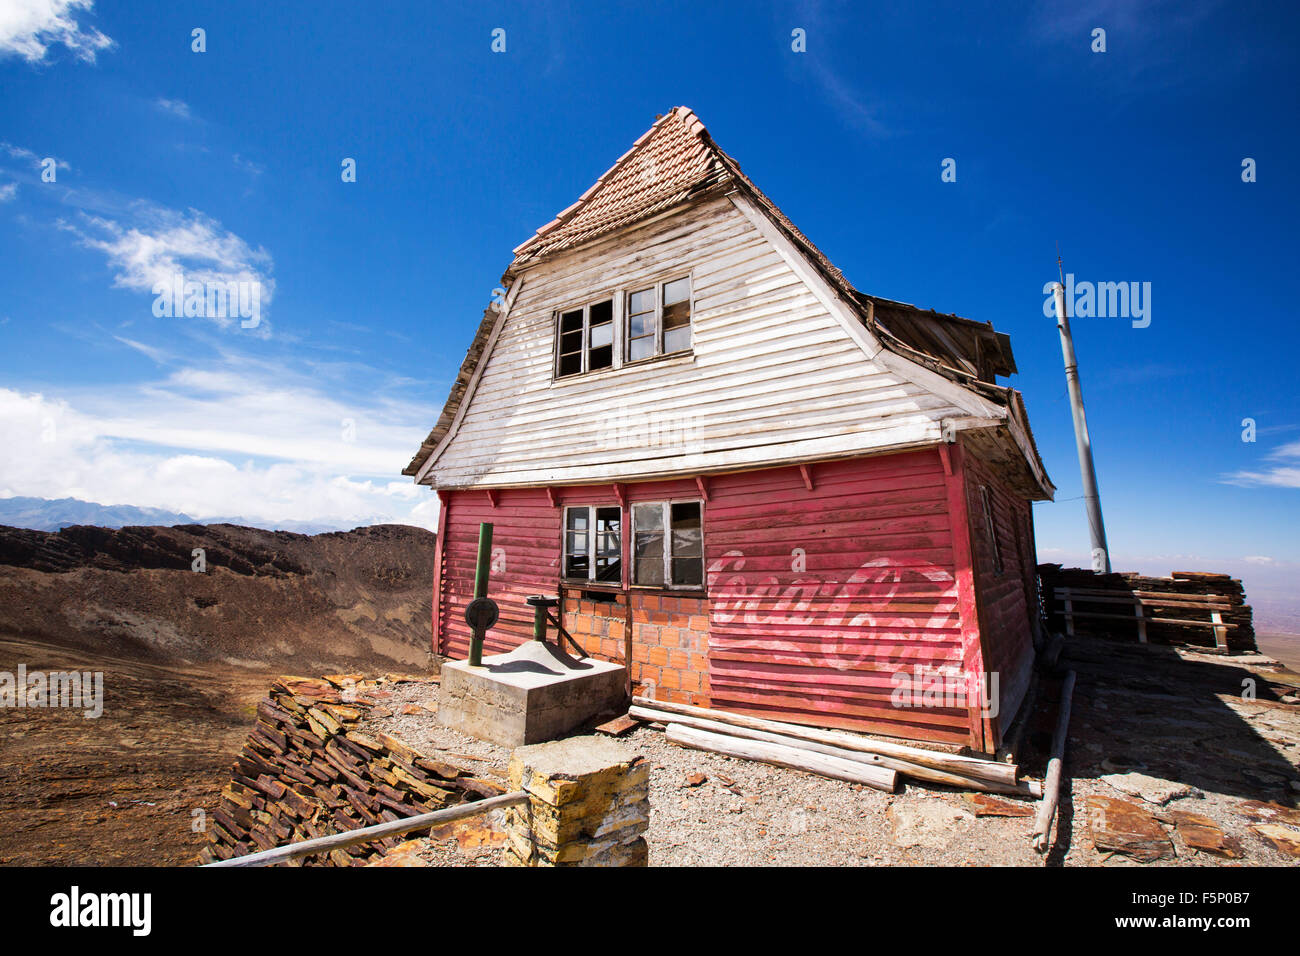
(310, 768)
(589, 805)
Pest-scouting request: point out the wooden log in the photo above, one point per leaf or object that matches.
(979, 769)
(913, 770)
(1052, 782)
(881, 778)
(781, 756)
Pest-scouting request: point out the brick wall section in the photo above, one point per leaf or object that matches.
(670, 640)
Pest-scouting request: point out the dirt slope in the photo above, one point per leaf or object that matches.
(327, 601)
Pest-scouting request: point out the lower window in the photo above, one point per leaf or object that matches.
(593, 544)
(668, 544)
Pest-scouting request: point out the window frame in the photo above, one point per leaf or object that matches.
(591, 579)
(667, 585)
(657, 285)
(613, 298)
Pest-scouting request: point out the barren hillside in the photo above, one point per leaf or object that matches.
(306, 603)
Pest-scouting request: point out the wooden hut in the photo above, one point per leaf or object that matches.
(763, 489)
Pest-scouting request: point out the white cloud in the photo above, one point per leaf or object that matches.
(236, 439)
(8, 191)
(162, 244)
(30, 158)
(177, 108)
(1258, 559)
(1283, 475)
(28, 28)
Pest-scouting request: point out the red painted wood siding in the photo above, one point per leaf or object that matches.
(1005, 598)
(819, 638)
(817, 598)
(526, 550)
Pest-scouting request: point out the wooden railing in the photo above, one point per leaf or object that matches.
(1141, 602)
(335, 841)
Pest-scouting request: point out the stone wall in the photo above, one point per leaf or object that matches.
(589, 805)
(311, 768)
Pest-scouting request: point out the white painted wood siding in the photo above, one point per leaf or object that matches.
(773, 377)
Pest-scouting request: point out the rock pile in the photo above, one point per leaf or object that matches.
(311, 768)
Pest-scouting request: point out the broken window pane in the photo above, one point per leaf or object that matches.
(600, 335)
(641, 324)
(609, 545)
(570, 343)
(576, 564)
(687, 544)
(677, 315)
(648, 542)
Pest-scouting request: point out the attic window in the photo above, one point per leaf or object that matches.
(585, 339)
(659, 319)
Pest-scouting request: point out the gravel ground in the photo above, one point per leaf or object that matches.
(744, 814)
(772, 816)
(1158, 715)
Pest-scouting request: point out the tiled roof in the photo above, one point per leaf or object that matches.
(672, 163)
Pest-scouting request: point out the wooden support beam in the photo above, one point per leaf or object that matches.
(492, 496)
(550, 495)
(881, 778)
(702, 484)
(806, 472)
(1052, 782)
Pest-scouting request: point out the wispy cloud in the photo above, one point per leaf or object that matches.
(178, 108)
(8, 191)
(29, 158)
(1284, 474)
(159, 244)
(29, 28)
(857, 108)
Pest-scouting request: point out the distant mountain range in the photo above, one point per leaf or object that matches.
(53, 514)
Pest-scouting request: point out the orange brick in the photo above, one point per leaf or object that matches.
(700, 663)
(658, 656)
(650, 602)
(641, 653)
(616, 630)
(699, 623)
(679, 659)
(671, 678)
(668, 603)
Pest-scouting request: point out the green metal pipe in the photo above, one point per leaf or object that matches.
(539, 623)
(480, 587)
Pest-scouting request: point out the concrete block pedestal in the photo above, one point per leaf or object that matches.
(529, 695)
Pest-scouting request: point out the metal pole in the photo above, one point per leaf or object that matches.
(480, 587)
(539, 622)
(338, 841)
(1100, 552)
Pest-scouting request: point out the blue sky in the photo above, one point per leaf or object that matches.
(227, 163)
